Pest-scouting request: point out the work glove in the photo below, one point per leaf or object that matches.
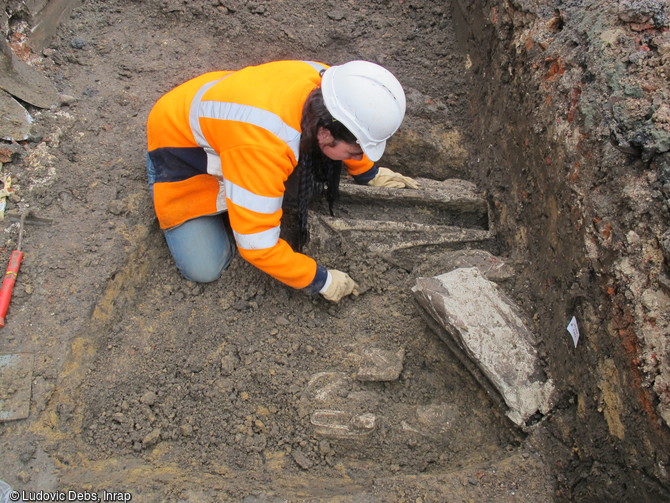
(340, 286)
(387, 178)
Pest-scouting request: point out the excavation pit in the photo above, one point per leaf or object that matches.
(243, 390)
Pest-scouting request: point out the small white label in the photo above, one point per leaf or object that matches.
(574, 330)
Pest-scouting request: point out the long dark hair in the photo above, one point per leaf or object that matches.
(316, 172)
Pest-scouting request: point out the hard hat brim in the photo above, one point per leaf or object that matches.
(374, 152)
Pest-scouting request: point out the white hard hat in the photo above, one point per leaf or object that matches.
(368, 100)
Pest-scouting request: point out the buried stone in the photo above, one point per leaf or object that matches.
(381, 365)
(342, 424)
(482, 327)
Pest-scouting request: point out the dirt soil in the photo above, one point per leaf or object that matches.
(243, 389)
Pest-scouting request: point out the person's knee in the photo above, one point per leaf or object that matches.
(206, 271)
(201, 248)
(201, 274)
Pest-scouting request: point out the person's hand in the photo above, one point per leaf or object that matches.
(387, 178)
(340, 286)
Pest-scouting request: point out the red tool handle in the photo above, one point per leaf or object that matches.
(8, 283)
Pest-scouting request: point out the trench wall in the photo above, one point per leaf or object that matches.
(43, 16)
(569, 105)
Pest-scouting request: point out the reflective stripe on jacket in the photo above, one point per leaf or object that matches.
(227, 141)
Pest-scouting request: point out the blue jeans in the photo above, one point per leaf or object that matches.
(202, 248)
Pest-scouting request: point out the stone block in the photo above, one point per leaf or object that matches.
(23, 81)
(381, 365)
(483, 327)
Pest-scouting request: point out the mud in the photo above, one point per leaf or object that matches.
(244, 390)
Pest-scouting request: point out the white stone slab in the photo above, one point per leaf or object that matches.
(484, 324)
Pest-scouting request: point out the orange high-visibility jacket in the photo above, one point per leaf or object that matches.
(227, 141)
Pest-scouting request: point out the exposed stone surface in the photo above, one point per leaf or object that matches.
(493, 268)
(16, 120)
(484, 324)
(341, 424)
(23, 81)
(381, 365)
(400, 225)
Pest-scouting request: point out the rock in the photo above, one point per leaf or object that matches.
(77, 43)
(67, 99)
(151, 438)
(441, 215)
(336, 15)
(325, 386)
(241, 305)
(381, 365)
(301, 460)
(65, 411)
(482, 326)
(148, 398)
(46, 17)
(643, 11)
(23, 81)
(9, 151)
(27, 454)
(117, 207)
(493, 268)
(16, 121)
(255, 443)
(364, 422)
(16, 376)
